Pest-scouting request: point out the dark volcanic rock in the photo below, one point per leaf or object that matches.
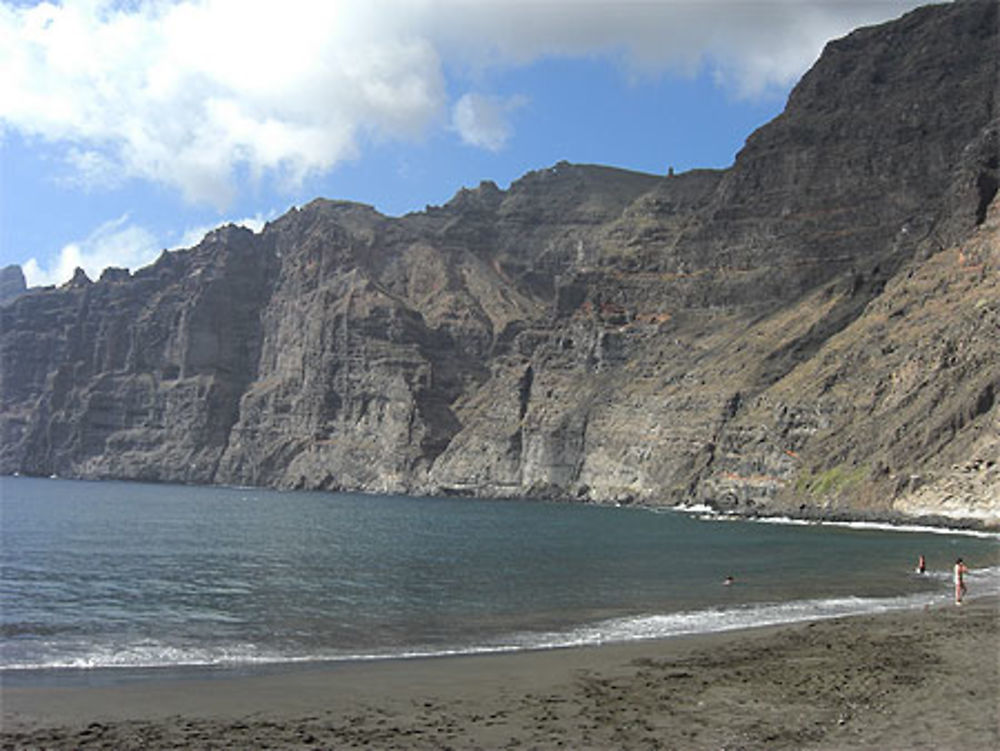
(12, 283)
(139, 379)
(812, 330)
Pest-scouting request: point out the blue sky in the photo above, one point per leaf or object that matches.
(127, 127)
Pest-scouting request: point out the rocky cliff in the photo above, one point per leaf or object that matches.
(814, 330)
(12, 283)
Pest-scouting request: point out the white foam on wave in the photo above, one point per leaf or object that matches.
(698, 508)
(919, 528)
(712, 621)
(151, 655)
(707, 513)
(145, 657)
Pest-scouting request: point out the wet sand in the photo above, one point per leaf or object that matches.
(915, 679)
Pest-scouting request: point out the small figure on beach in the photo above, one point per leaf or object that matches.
(960, 571)
(921, 565)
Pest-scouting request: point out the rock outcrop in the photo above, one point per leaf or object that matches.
(813, 331)
(12, 283)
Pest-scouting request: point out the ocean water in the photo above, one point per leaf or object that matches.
(107, 575)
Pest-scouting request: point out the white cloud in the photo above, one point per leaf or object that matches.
(114, 243)
(752, 46)
(483, 121)
(121, 244)
(194, 235)
(190, 93)
(186, 93)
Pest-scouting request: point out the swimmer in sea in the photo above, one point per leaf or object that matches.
(921, 565)
(960, 571)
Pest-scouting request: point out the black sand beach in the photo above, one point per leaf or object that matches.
(914, 679)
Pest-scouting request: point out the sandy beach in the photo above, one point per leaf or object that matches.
(913, 679)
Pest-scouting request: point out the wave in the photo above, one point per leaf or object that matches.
(150, 654)
(707, 513)
(754, 616)
(890, 527)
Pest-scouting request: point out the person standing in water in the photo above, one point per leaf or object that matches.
(960, 571)
(921, 565)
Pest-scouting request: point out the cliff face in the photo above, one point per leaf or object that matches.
(134, 376)
(813, 330)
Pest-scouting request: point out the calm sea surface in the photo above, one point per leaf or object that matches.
(96, 574)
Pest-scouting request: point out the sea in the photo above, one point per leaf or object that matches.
(117, 575)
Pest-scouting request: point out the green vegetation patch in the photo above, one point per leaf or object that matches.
(833, 481)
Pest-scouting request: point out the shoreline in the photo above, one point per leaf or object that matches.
(889, 520)
(916, 525)
(908, 678)
(613, 632)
